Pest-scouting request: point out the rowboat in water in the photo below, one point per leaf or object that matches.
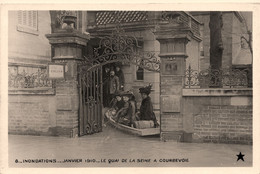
(131, 130)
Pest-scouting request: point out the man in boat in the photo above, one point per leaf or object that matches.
(126, 115)
(146, 108)
(117, 103)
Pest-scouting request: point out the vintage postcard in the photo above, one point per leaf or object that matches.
(144, 87)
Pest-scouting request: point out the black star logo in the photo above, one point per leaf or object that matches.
(240, 156)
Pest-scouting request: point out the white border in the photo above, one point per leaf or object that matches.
(135, 5)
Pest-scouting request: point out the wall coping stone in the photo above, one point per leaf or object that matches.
(31, 91)
(218, 92)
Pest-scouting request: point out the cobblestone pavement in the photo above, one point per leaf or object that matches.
(110, 147)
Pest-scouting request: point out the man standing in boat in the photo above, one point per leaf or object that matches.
(146, 108)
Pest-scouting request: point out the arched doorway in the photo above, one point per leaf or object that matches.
(117, 47)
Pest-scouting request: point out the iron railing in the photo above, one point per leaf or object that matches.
(218, 78)
(26, 79)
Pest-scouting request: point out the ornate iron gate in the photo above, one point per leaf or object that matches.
(90, 82)
(118, 47)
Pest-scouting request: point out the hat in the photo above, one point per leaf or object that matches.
(118, 93)
(127, 93)
(112, 69)
(146, 89)
(118, 64)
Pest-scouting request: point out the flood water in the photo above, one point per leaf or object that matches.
(112, 148)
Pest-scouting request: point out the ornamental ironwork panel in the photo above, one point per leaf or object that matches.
(124, 48)
(28, 77)
(226, 78)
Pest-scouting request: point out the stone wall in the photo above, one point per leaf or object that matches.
(218, 115)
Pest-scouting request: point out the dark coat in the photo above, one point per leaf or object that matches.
(113, 84)
(146, 110)
(117, 105)
(121, 78)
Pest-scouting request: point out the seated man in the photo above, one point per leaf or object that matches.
(117, 103)
(146, 108)
(126, 115)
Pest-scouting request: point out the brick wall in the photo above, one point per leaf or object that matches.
(45, 114)
(218, 115)
(225, 124)
(30, 114)
(171, 122)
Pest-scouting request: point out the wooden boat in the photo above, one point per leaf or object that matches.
(132, 130)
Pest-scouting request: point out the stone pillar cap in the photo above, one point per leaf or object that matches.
(68, 37)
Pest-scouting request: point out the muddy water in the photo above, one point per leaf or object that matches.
(112, 148)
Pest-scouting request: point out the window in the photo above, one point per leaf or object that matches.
(140, 73)
(28, 22)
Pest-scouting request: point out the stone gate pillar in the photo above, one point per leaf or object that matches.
(68, 49)
(173, 39)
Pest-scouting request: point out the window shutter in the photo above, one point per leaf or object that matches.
(20, 17)
(28, 19)
(35, 20)
(24, 18)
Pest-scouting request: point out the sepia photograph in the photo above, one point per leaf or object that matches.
(129, 88)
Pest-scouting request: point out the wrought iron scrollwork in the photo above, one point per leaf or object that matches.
(92, 128)
(192, 77)
(124, 48)
(95, 127)
(88, 128)
(91, 101)
(28, 80)
(226, 77)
